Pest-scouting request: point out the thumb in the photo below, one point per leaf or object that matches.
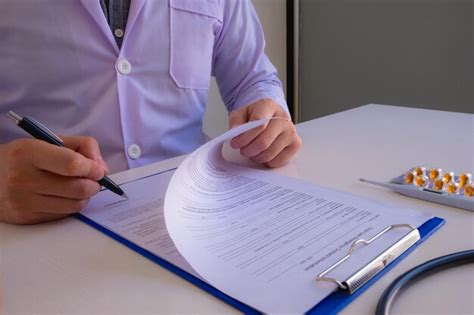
(238, 117)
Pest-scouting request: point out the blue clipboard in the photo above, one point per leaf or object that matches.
(332, 304)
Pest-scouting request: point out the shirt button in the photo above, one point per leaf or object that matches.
(123, 66)
(118, 33)
(134, 151)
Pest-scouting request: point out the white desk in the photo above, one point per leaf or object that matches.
(68, 267)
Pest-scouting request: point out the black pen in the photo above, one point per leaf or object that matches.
(39, 131)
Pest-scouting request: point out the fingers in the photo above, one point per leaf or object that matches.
(47, 192)
(279, 152)
(263, 140)
(35, 208)
(273, 143)
(256, 111)
(88, 147)
(239, 117)
(247, 137)
(62, 161)
(55, 205)
(277, 146)
(66, 187)
(46, 183)
(41, 182)
(285, 155)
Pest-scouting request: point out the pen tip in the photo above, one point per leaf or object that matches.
(125, 196)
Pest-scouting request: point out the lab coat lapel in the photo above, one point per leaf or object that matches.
(135, 8)
(95, 10)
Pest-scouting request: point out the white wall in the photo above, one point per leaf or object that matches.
(272, 14)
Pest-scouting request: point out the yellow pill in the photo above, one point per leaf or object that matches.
(420, 181)
(464, 179)
(469, 191)
(434, 173)
(448, 177)
(408, 178)
(438, 184)
(452, 188)
(419, 171)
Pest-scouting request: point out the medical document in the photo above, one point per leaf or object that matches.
(259, 237)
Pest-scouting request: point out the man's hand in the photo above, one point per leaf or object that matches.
(42, 182)
(273, 143)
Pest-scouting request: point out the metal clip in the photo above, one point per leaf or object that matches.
(364, 274)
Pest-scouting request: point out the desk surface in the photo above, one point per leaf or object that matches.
(68, 267)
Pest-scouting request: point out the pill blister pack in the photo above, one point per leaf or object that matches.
(438, 181)
(435, 185)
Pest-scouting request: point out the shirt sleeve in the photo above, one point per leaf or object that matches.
(243, 72)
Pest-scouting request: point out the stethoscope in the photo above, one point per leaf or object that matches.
(419, 272)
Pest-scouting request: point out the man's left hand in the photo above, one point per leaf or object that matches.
(272, 144)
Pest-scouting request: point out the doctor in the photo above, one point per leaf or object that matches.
(132, 78)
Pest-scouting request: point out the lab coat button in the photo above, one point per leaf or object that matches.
(134, 151)
(123, 66)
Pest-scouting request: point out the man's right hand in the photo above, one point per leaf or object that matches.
(43, 182)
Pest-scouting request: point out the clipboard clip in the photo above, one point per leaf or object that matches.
(367, 272)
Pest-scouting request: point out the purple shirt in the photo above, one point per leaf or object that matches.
(59, 63)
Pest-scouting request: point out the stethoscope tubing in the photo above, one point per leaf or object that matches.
(419, 272)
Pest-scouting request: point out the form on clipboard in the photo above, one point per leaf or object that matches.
(255, 239)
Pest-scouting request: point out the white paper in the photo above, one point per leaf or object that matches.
(257, 236)
(263, 238)
(140, 218)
